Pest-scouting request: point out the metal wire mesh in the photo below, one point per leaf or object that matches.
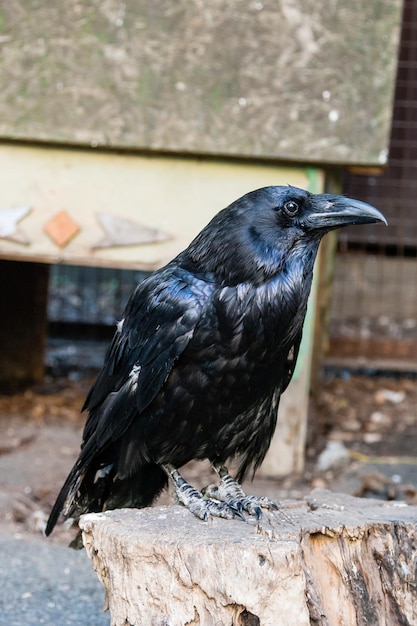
(89, 295)
(374, 311)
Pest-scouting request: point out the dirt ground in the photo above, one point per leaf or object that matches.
(362, 441)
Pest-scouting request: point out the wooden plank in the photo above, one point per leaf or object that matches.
(360, 363)
(298, 79)
(174, 197)
(374, 348)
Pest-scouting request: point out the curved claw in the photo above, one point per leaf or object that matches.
(237, 509)
(215, 508)
(257, 511)
(246, 504)
(266, 503)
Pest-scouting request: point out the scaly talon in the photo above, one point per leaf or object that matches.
(201, 506)
(230, 492)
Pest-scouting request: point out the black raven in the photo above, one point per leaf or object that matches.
(204, 350)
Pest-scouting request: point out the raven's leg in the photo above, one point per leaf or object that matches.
(230, 492)
(196, 502)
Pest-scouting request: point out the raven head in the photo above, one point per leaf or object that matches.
(285, 220)
(301, 210)
(253, 238)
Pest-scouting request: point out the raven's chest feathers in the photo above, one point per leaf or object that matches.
(265, 319)
(248, 332)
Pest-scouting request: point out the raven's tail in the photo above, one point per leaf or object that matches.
(93, 487)
(65, 497)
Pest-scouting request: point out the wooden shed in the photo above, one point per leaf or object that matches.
(125, 126)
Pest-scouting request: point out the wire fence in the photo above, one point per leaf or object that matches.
(374, 311)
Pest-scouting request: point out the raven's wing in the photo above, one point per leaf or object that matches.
(158, 323)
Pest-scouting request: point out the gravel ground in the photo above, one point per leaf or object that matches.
(42, 583)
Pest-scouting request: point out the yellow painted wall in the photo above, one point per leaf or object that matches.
(176, 195)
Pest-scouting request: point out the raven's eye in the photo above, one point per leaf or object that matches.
(291, 208)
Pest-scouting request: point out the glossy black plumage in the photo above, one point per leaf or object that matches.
(205, 349)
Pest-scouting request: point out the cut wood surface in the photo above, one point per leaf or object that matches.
(329, 560)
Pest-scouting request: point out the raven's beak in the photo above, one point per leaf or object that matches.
(330, 211)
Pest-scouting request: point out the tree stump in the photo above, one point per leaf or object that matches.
(330, 560)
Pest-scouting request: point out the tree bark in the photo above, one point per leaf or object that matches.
(330, 560)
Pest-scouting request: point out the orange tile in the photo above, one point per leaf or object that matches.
(61, 228)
